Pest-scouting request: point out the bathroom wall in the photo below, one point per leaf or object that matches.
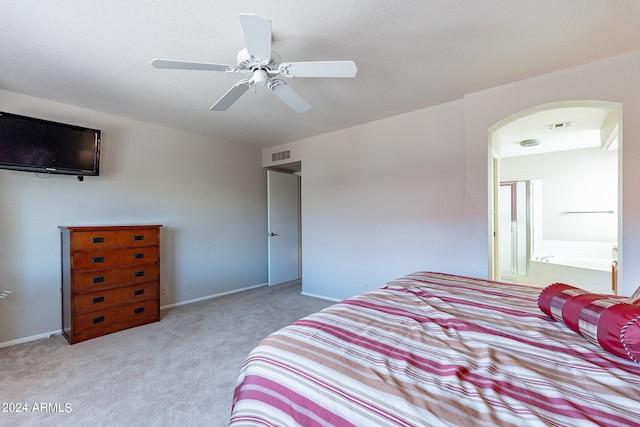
(572, 181)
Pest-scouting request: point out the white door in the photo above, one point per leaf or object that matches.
(284, 227)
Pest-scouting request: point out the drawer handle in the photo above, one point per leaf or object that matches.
(139, 310)
(138, 292)
(97, 240)
(98, 279)
(97, 259)
(138, 274)
(98, 299)
(138, 237)
(98, 319)
(138, 256)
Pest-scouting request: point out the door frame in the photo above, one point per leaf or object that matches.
(292, 169)
(493, 164)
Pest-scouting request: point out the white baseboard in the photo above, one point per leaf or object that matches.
(307, 294)
(31, 338)
(58, 332)
(235, 291)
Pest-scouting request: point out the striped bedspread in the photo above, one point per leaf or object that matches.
(433, 349)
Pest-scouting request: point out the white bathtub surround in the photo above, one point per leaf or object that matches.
(586, 265)
(590, 279)
(591, 252)
(577, 262)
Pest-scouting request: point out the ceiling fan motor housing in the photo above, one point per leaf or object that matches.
(246, 61)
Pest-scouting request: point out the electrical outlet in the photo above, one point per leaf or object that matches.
(164, 290)
(187, 285)
(365, 287)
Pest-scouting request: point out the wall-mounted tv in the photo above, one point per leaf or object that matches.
(36, 145)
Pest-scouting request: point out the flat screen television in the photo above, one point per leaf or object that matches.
(36, 145)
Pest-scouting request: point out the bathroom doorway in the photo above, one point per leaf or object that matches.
(555, 205)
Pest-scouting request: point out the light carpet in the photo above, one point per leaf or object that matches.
(179, 371)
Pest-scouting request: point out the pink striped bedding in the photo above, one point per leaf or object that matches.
(432, 349)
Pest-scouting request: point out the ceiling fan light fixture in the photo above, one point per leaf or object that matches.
(529, 143)
(260, 77)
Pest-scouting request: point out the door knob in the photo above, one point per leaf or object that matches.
(272, 234)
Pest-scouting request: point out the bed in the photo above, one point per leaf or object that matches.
(434, 349)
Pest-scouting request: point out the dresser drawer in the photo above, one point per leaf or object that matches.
(115, 258)
(102, 279)
(110, 239)
(116, 318)
(99, 300)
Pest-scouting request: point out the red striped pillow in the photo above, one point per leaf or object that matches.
(552, 299)
(606, 320)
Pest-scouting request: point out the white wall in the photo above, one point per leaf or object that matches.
(381, 200)
(576, 180)
(614, 80)
(411, 192)
(210, 197)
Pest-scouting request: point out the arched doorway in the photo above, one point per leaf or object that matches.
(555, 195)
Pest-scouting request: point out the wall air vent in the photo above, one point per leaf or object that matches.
(554, 126)
(282, 155)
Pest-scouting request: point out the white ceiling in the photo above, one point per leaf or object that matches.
(556, 129)
(410, 54)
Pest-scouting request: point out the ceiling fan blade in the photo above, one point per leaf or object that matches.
(187, 65)
(319, 69)
(231, 96)
(289, 96)
(257, 36)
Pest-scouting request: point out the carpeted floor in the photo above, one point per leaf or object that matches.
(179, 371)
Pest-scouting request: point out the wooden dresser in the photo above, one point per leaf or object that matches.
(110, 279)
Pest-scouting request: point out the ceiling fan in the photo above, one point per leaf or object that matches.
(261, 65)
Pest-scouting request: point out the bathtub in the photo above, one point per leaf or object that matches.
(592, 274)
(577, 262)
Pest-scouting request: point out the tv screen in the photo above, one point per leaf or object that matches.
(36, 145)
